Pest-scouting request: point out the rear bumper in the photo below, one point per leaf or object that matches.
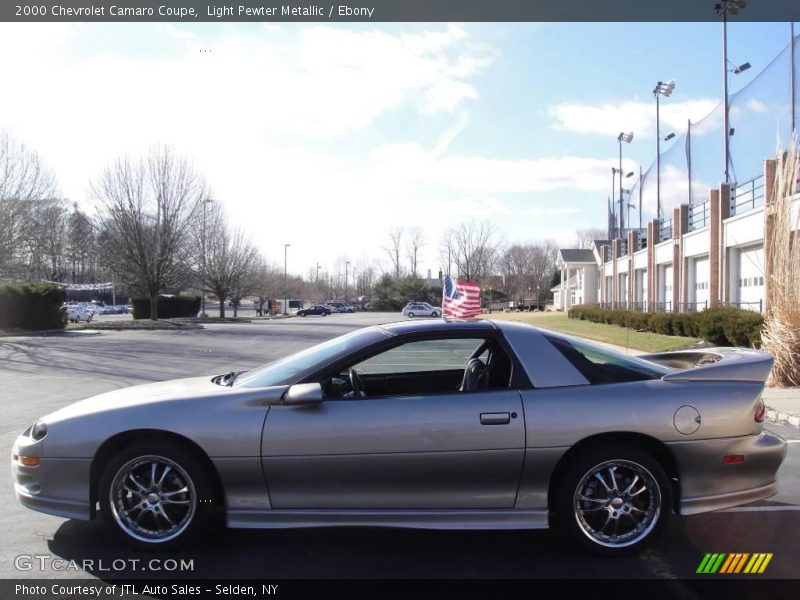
(707, 484)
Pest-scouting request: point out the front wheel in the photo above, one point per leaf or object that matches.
(435, 314)
(411, 315)
(614, 500)
(156, 494)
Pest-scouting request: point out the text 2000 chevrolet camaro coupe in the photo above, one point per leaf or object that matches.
(436, 424)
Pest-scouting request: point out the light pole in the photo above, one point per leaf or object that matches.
(627, 138)
(661, 89)
(614, 171)
(346, 264)
(316, 285)
(285, 284)
(723, 9)
(203, 314)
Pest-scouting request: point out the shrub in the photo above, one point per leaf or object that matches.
(169, 307)
(661, 323)
(725, 326)
(32, 306)
(744, 328)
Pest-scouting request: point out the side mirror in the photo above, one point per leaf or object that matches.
(303, 394)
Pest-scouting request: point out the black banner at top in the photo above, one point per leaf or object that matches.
(393, 10)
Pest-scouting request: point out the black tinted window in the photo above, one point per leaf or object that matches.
(599, 365)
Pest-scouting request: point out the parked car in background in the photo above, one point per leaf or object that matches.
(315, 309)
(77, 313)
(340, 306)
(421, 309)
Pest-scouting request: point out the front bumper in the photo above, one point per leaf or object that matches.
(707, 483)
(56, 486)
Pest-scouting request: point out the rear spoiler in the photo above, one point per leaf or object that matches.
(714, 364)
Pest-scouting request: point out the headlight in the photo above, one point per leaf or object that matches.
(39, 430)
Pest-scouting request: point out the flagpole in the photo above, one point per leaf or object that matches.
(443, 288)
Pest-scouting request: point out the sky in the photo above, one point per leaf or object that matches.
(327, 136)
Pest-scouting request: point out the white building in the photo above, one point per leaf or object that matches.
(703, 255)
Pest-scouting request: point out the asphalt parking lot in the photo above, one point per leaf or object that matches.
(41, 374)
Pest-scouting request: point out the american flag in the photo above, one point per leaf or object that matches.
(460, 299)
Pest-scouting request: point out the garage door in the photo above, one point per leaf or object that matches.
(701, 279)
(666, 287)
(751, 277)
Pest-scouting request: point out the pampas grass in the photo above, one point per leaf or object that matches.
(781, 334)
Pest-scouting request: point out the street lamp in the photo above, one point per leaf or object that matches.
(346, 264)
(627, 138)
(203, 314)
(723, 9)
(285, 284)
(661, 89)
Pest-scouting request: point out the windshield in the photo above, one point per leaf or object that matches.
(287, 370)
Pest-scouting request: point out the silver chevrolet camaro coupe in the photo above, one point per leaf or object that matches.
(437, 424)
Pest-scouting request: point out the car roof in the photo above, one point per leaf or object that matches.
(404, 327)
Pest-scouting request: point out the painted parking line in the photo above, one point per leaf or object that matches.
(788, 507)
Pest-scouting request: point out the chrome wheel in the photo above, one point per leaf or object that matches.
(152, 499)
(617, 503)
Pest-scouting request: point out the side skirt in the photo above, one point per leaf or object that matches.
(413, 519)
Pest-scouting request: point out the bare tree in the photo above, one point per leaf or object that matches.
(527, 268)
(394, 248)
(268, 281)
(81, 245)
(414, 244)
(584, 238)
(473, 248)
(231, 260)
(23, 180)
(45, 239)
(145, 210)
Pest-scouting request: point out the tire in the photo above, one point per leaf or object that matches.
(187, 496)
(411, 315)
(615, 517)
(302, 314)
(435, 314)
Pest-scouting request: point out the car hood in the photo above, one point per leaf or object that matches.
(174, 390)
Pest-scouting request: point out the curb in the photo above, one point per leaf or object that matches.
(782, 418)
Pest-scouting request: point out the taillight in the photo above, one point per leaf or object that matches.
(760, 410)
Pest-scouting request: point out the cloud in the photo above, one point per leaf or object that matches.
(640, 117)
(175, 32)
(483, 174)
(538, 211)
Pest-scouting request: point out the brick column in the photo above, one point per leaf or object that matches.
(680, 225)
(614, 283)
(652, 235)
(770, 168)
(715, 233)
(724, 267)
(633, 238)
(651, 253)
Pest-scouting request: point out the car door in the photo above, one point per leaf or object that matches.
(443, 450)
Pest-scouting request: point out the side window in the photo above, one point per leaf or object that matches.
(425, 367)
(425, 355)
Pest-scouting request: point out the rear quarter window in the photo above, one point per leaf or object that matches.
(599, 365)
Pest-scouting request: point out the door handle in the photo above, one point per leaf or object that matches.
(498, 418)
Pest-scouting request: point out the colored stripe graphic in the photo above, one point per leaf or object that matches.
(731, 563)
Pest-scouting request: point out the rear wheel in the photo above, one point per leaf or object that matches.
(156, 494)
(613, 500)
